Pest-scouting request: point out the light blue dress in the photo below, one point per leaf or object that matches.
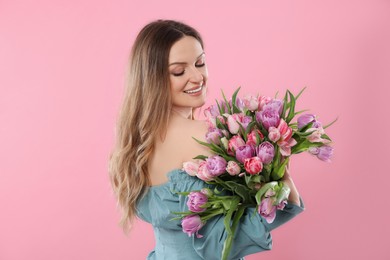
(156, 207)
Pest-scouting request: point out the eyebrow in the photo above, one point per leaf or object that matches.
(173, 63)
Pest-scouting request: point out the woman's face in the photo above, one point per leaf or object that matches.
(187, 74)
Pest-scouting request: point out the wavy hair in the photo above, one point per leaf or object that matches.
(144, 112)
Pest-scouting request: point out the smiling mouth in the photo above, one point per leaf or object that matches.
(192, 91)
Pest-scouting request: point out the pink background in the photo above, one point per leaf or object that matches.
(61, 78)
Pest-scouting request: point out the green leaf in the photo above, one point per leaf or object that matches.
(227, 103)
(263, 190)
(227, 245)
(220, 125)
(283, 193)
(235, 108)
(285, 105)
(278, 172)
(219, 108)
(325, 136)
(201, 157)
(300, 92)
(291, 111)
(301, 111)
(331, 123)
(240, 190)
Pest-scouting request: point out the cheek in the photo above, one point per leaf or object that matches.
(177, 83)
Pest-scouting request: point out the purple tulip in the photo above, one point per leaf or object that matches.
(243, 152)
(267, 209)
(239, 103)
(216, 165)
(196, 200)
(306, 119)
(191, 224)
(266, 152)
(211, 111)
(275, 104)
(246, 120)
(323, 153)
(214, 136)
(268, 117)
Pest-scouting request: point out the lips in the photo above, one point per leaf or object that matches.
(194, 90)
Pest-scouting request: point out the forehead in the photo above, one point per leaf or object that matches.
(185, 49)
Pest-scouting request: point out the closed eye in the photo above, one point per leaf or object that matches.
(178, 74)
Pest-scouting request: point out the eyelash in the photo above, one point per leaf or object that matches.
(179, 74)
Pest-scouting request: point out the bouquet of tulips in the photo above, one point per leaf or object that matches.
(252, 140)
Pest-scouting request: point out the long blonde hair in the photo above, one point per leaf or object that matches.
(144, 113)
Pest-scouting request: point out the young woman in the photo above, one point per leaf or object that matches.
(167, 81)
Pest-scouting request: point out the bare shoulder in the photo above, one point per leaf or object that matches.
(179, 146)
(196, 129)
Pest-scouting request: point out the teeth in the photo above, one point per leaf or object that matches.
(194, 91)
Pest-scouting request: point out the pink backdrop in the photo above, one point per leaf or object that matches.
(62, 67)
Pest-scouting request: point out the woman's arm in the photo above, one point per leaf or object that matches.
(294, 195)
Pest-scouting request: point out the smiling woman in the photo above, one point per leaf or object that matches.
(167, 80)
(188, 75)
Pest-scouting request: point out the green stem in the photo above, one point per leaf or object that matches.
(227, 246)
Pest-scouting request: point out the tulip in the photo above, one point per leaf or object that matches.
(267, 210)
(251, 102)
(273, 134)
(225, 142)
(232, 122)
(323, 153)
(216, 165)
(262, 101)
(285, 142)
(233, 168)
(191, 168)
(235, 142)
(268, 117)
(244, 152)
(266, 152)
(214, 135)
(191, 224)
(253, 165)
(315, 136)
(204, 173)
(196, 200)
(251, 137)
(306, 119)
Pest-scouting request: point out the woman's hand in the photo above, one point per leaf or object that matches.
(294, 195)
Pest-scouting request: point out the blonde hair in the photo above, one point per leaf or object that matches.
(144, 113)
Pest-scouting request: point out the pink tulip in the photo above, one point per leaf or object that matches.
(251, 102)
(262, 101)
(232, 123)
(273, 134)
(235, 142)
(251, 137)
(253, 165)
(203, 172)
(285, 142)
(233, 168)
(191, 168)
(315, 136)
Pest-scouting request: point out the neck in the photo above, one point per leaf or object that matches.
(185, 112)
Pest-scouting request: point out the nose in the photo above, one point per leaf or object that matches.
(196, 76)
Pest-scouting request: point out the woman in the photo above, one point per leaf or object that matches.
(167, 81)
